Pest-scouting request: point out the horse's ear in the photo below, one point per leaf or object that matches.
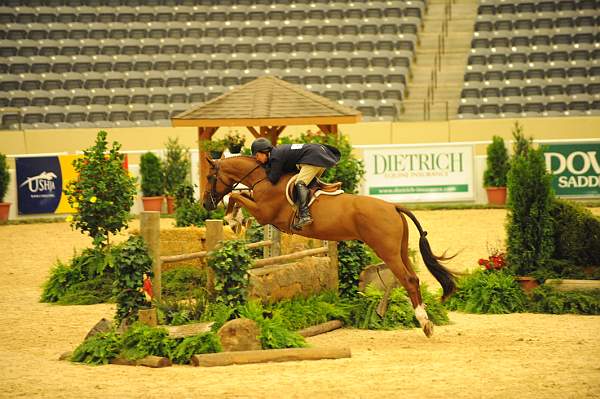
(211, 162)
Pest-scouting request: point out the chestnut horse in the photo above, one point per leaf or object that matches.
(379, 224)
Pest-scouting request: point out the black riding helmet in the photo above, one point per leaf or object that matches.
(261, 145)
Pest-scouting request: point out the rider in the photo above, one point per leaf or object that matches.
(310, 159)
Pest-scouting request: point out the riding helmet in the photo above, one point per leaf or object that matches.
(261, 145)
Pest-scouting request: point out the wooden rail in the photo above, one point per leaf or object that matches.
(150, 231)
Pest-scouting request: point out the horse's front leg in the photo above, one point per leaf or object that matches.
(252, 207)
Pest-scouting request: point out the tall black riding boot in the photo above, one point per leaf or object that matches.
(302, 197)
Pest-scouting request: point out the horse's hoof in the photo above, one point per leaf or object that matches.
(428, 329)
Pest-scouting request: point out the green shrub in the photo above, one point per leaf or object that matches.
(530, 228)
(189, 212)
(546, 299)
(576, 233)
(399, 314)
(85, 280)
(353, 256)
(273, 331)
(4, 177)
(99, 349)
(493, 292)
(103, 192)
(180, 309)
(202, 343)
(152, 173)
(182, 281)
(230, 262)
(497, 164)
(177, 166)
(299, 313)
(140, 341)
(131, 263)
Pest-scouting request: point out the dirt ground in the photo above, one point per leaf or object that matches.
(476, 356)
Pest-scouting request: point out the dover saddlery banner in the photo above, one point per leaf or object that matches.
(575, 168)
(419, 173)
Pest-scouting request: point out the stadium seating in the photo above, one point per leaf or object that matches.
(87, 54)
(533, 58)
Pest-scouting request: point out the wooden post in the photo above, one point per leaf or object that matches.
(214, 234)
(333, 254)
(150, 231)
(274, 235)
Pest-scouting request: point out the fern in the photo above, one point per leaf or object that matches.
(201, 343)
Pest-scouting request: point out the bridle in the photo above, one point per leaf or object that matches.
(214, 196)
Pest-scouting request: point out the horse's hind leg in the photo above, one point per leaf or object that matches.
(409, 280)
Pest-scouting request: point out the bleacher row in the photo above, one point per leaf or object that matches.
(533, 59)
(173, 57)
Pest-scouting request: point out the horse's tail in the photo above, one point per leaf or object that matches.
(446, 278)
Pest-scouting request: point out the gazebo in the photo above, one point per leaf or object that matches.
(265, 106)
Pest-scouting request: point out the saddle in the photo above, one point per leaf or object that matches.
(317, 188)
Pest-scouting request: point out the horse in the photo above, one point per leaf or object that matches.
(379, 224)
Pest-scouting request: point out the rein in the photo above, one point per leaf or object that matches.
(215, 196)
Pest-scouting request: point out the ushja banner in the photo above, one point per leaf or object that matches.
(419, 173)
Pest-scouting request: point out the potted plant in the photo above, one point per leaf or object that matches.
(152, 185)
(494, 177)
(177, 167)
(234, 142)
(4, 180)
(214, 148)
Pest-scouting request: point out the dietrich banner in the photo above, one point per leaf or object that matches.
(419, 174)
(575, 168)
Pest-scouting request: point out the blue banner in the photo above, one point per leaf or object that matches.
(39, 184)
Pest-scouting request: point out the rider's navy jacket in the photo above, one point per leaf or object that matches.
(285, 157)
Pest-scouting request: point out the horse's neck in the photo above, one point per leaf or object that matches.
(246, 169)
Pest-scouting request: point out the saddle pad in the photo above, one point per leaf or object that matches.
(290, 186)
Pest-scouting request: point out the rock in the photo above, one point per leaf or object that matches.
(240, 335)
(101, 327)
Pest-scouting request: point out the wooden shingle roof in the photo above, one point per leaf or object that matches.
(267, 101)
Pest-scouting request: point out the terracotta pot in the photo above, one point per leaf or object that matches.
(527, 283)
(496, 195)
(153, 203)
(170, 204)
(4, 208)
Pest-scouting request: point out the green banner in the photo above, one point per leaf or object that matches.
(452, 188)
(575, 168)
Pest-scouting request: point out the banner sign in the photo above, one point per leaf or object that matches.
(419, 174)
(41, 182)
(575, 168)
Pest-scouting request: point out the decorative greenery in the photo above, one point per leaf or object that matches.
(530, 237)
(213, 145)
(140, 341)
(103, 193)
(497, 164)
(202, 343)
(99, 349)
(194, 307)
(487, 291)
(399, 314)
(576, 234)
(273, 331)
(87, 279)
(131, 263)
(349, 169)
(230, 262)
(353, 256)
(234, 141)
(4, 177)
(177, 166)
(152, 173)
(183, 281)
(299, 313)
(546, 299)
(255, 233)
